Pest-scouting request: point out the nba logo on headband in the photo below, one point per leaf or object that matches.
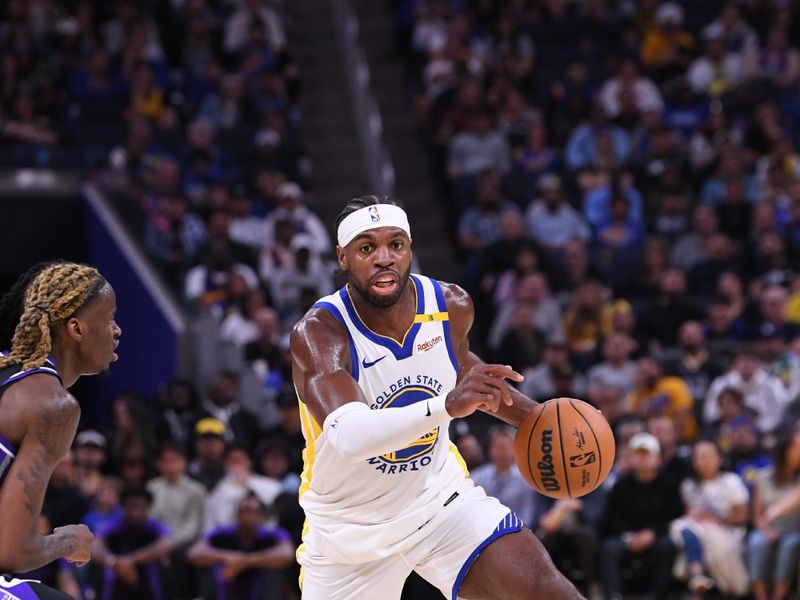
(374, 214)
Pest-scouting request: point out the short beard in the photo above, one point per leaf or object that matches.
(379, 301)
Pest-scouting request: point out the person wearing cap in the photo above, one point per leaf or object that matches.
(90, 456)
(778, 361)
(667, 48)
(292, 209)
(208, 466)
(635, 522)
(711, 532)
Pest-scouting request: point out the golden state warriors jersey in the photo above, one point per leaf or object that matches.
(376, 507)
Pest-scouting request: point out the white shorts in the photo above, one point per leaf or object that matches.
(458, 534)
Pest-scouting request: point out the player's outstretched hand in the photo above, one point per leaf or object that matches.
(81, 539)
(483, 387)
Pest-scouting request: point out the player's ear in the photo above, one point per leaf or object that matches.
(74, 329)
(340, 258)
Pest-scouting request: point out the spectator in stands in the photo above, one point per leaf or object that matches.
(645, 93)
(772, 319)
(105, 508)
(242, 20)
(63, 501)
(537, 157)
(205, 284)
(544, 314)
(617, 370)
(777, 63)
(597, 201)
(663, 319)
(568, 531)
(588, 142)
(656, 395)
(239, 480)
(308, 271)
(274, 462)
(639, 509)
(502, 478)
(130, 549)
(731, 407)
(610, 401)
(479, 148)
(90, 457)
(173, 239)
(617, 243)
(692, 248)
(586, 321)
(746, 455)
(177, 499)
(222, 402)
(695, 364)
(208, 466)
(292, 209)
(675, 465)
(667, 48)
(245, 555)
(178, 401)
(550, 220)
(539, 382)
(712, 531)
(778, 361)
(717, 70)
(178, 503)
(764, 394)
(781, 535)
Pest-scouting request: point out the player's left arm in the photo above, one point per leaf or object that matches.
(462, 314)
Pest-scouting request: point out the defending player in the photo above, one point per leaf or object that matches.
(381, 367)
(57, 323)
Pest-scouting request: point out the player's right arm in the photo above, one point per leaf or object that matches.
(322, 375)
(50, 417)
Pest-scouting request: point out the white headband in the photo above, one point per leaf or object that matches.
(372, 217)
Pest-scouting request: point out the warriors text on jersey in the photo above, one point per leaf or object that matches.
(377, 507)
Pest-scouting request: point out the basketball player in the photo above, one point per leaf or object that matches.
(57, 323)
(381, 367)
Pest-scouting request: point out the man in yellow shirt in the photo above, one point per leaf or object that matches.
(655, 395)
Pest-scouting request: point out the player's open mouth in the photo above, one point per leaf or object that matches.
(384, 284)
(114, 355)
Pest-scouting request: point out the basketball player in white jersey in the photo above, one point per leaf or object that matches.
(56, 324)
(381, 367)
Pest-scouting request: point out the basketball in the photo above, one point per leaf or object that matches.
(564, 448)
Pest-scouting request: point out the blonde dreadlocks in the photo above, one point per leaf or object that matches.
(45, 296)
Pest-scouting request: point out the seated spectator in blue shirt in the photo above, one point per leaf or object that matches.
(597, 202)
(243, 555)
(618, 243)
(582, 145)
(131, 548)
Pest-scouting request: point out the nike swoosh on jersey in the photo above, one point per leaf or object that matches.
(367, 365)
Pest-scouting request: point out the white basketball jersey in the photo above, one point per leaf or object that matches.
(376, 507)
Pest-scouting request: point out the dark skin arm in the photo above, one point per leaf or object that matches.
(462, 315)
(321, 373)
(47, 417)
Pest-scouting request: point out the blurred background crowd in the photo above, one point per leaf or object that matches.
(622, 188)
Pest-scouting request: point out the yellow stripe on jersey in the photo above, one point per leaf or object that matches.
(432, 317)
(311, 431)
(459, 458)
